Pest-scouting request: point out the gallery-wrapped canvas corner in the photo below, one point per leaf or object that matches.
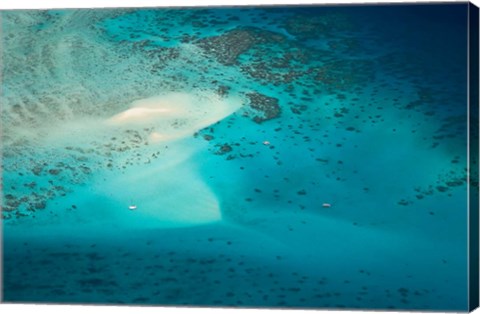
(318, 157)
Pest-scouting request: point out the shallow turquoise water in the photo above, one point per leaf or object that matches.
(229, 129)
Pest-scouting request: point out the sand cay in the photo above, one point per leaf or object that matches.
(176, 115)
(139, 114)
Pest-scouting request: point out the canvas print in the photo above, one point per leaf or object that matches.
(318, 157)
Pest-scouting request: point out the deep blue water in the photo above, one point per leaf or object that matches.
(310, 157)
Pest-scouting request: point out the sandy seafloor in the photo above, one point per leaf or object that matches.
(228, 128)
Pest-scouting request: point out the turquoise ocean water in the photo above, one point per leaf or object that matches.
(310, 157)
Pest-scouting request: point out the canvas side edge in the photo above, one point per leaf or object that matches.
(473, 152)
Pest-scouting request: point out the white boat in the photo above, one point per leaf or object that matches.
(132, 207)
